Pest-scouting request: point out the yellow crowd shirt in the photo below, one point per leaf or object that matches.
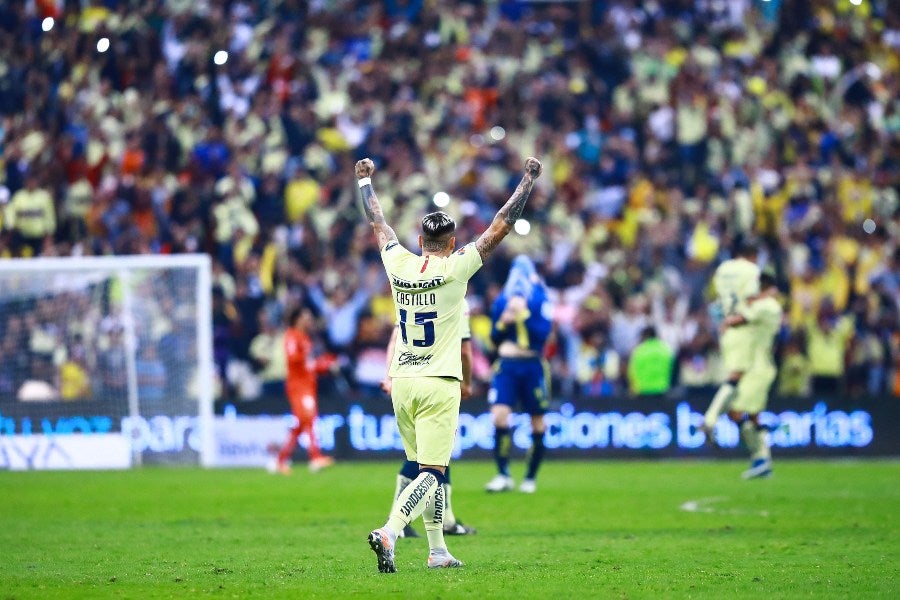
(32, 213)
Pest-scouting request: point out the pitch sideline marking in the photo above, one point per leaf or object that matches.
(704, 505)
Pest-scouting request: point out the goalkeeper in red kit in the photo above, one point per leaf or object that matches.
(302, 369)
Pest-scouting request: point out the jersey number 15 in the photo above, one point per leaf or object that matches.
(426, 320)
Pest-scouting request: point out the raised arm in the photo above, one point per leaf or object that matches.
(383, 233)
(506, 217)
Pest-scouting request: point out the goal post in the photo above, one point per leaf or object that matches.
(118, 348)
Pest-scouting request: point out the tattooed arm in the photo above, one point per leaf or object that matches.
(383, 232)
(510, 212)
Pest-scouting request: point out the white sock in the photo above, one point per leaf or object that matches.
(412, 501)
(402, 482)
(719, 404)
(434, 521)
(449, 517)
(749, 437)
(762, 445)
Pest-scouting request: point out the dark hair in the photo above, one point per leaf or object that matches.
(295, 313)
(648, 332)
(767, 280)
(746, 247)
(437, 228)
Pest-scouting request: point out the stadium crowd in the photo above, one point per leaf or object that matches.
(669, 131)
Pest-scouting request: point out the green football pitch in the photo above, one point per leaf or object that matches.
(599, 529)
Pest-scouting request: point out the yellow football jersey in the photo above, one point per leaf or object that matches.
(735, 280)
(763, 322)
(429, 298)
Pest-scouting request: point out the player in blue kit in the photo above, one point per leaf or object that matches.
(521, 317)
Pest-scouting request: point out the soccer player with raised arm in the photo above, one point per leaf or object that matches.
(521, 317)
(735, 280)
(760, 319)
(409, 470)
(426, 369)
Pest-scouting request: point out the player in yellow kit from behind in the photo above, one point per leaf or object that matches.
(735, 281)
(426, 369)
(760, 320)
(409, 470)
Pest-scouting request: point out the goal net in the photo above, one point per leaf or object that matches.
(105, 362)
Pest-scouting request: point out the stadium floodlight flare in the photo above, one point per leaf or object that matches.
(102, 45)
(522, 227)
(441, 199)
(220, 57)
(123, 348)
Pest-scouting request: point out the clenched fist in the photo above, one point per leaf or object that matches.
(365, 168)
(533, 167)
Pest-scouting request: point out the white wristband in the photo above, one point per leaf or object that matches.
(365, 181)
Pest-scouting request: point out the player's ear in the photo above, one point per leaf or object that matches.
(421, 243)
(451, 243)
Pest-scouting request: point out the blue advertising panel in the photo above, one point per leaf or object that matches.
(617, 427)
(363, 427)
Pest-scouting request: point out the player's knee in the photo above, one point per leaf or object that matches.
(500, 415)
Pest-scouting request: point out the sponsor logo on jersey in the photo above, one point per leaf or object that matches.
(425, 284)
(408, 359)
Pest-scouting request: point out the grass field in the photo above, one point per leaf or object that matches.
(669, 529)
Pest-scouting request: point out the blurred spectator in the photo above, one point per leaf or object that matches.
(151, 374)
(794, 372)
(267, 354)
(340, 311)
(74, 378)
(31, 215)
(699, 363)
(828, 338)
(38, 387)
(628, 326)
(599, 366)
(112, 366)
(650, 366)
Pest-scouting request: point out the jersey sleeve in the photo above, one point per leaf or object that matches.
(393, 254)
(464, 263)
(762, 310)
